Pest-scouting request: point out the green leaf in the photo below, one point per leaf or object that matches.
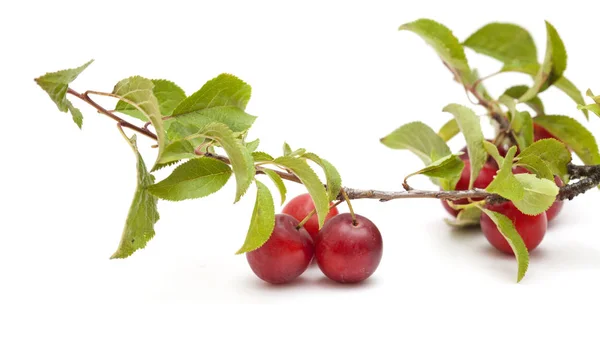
(553, 67)
(534, 103)
(536, 165)
(467, 217)
(261, 157)
(334, 180)
(137, 91)
(262, 221)
(287, 150)
(311, 181)
(252, 145)
(590, 94)
(539, 194)
(168, 95)
(505, 42)
(193, 179)
(493, 152)
(523, 126)
(573, 134)
(508, 230)
(188, 124)
(449, 130)
(278, 183)
(595, 108)
(551, 152)
(443, 42)
(470, 126)
(510, 104)
(505, 184)
(448, 169)
(143, 214)
(419, 139)
(56, 85)
(224, 90)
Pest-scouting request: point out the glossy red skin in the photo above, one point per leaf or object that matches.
(348, 253)
(299, 207)
(531, 228)
(285, 255)
(540, 133)
(557, 206)
(486, 175)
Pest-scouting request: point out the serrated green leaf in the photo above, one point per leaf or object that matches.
(262, 222)
(224, 90)
(449, 130)
(287, 150)
(56, 85)
(505, 184)
(492, 150)
(505, 42)
(311, 181)
(168, 95)
(332, 176)
(539, 194)
(470, 126)
(143, 214)
(467, 217)
(448, 169)
(536, 165)
(278, 183)
(188, 124)
(574, 135)
(137, 91)
(508, 230)
(443, 42)
(553, 67)
(193, 179)
(420, 139)
(534, 103)
(262, 157)
(252, 145)
(553, 154)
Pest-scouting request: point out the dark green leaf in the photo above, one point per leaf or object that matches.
(143, 214)
(553, 153)
(536, 165)
(574, 135)
(193, 179)
(262, 221)
(168, 95)
(508, 230)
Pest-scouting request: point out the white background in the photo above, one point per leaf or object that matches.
(330, 77)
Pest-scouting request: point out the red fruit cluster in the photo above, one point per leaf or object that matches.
(346, 250)
(531, 228)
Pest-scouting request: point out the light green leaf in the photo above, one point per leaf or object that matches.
(252, 145)
(449, 130)
(493, 152)
(278, 183)
(137, 91)
(505, 42)
(311, 181)
(419, 139)
(448, 169)
(590, 94)
(554, 155)
(334, 180)
(470, 126)
(536, 165)
(446, 45)
(523, 126)
(505, 184)
(467, 217)
(193, 179)
(262, 221)
(190, 123)
(510, 104)
(539, 194)
(534, 103)
(224, 90)
(262, 157)
(168, 95)
(553, 67)
(287, 150)
(595, 108)
(574, 135)
(143, 214)
(508, 230)
(56, 85)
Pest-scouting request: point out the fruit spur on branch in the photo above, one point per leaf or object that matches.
(509, 185)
